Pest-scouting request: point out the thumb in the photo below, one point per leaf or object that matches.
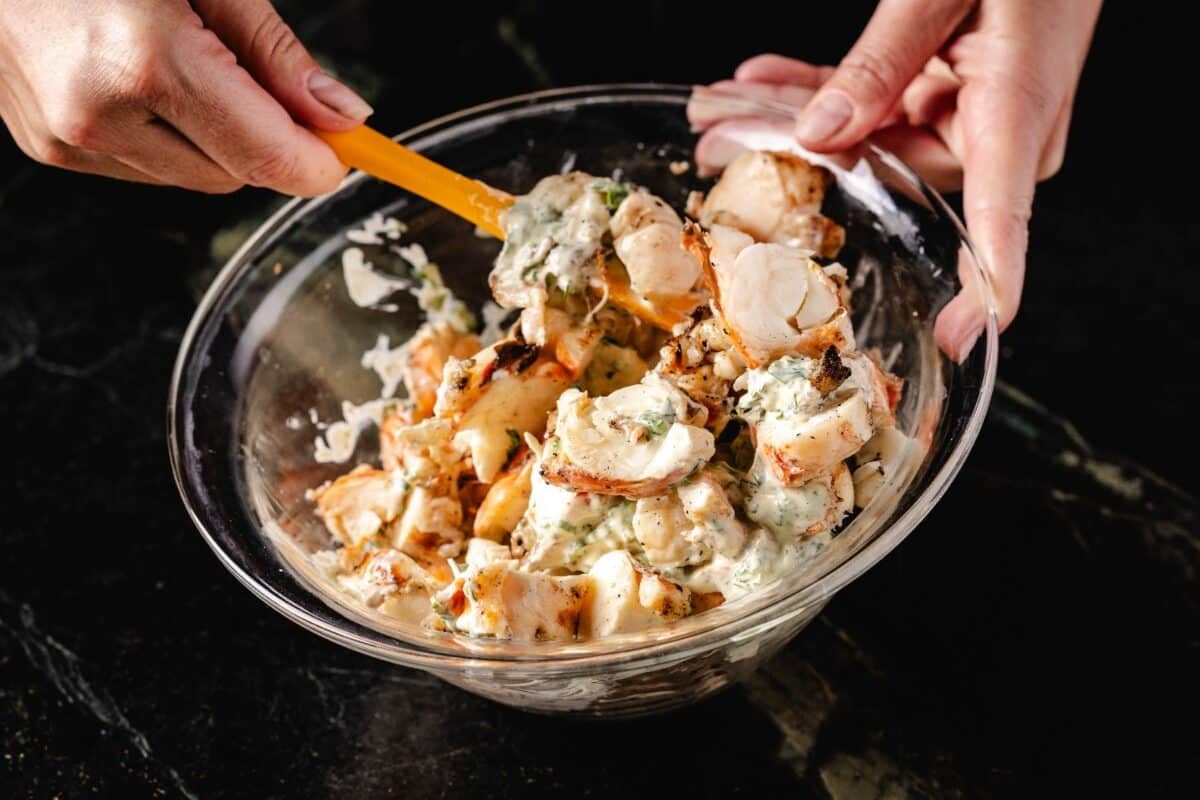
(893, 49)
(270, 51)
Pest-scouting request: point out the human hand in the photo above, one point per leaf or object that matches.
(209, 95)
(975, 95)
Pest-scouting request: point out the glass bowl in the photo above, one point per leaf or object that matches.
(276, 343)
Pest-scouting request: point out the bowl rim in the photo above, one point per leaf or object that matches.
(687, 639)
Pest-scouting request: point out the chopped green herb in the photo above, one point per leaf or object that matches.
(656, 424)
(443, 612)
(787, 369)
(612, 192)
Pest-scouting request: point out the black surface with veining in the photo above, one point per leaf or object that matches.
(1038, 632)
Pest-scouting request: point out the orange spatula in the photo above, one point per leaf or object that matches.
(369, 150)
(372, 152)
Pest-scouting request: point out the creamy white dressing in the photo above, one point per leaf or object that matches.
(432, 294)
(388, 363)
(377, 229)
(638, 433)
(756, 565)
(568, 530)
(780, 390)
(341, 437)
(622, 518)
(552, 235)
(786, 510)
(647, 238)
(367, 287)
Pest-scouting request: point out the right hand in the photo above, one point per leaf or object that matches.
(209, 95)
(974, 94)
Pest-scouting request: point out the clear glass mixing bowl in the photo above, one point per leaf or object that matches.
(276, 335)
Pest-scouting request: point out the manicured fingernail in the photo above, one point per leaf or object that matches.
(339, 97)
(823, 117)
(967, 343)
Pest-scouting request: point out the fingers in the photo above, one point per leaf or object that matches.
(960, 323)
(53, 153)
(931, 98)
(76, 160)
(772, 68)
(728, 139)
(924, 152)
(898, 41)
(1004, 130)
(156, 150)
(125, 140)
(221, 109)
(729, 99)
(31, 135)
(1056, 146)
(270, 51)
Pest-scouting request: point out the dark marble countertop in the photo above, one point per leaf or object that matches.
(1038, 631)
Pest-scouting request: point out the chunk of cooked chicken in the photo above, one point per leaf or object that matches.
(483, 552)
(431, 347)
(876, 461)
(506, 500)
(496, 397)
(612, 367)
(392, 583)
(465, 379)
(688, 525)
(396, 418)
(775, 197)
(626, 598)
(885, 389)
(501, 601)
(428, 459)
(551, 238)
(564, 530)
(801, 511)
(797, 429)
(636, 442)
(425, 453)
(772, 299)
(513, 406)
(703, 363)
(357, 506)
(759, 562)
(431, 526)
(562, 338)
(647, 236)
(663, 311)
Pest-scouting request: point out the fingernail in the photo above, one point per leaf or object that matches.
(339, 97)
(967, 343)
(823, 117)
